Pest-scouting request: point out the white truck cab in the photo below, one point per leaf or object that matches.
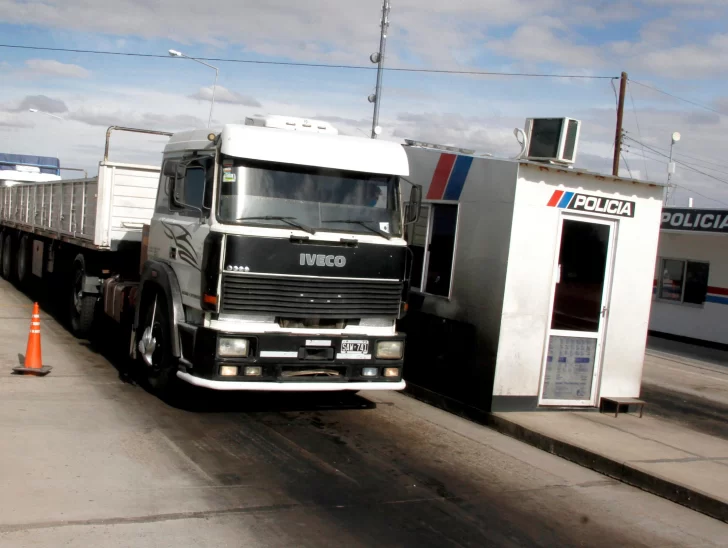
(276, 260)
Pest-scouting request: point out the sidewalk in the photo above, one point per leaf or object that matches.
(659, 456)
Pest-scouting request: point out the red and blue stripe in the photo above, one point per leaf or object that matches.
(449, 177)
(715, 295)
(560, 199)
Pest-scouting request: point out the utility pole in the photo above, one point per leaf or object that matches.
(620, 116)
(671, 167)
(379, 59)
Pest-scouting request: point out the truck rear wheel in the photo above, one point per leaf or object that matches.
(7, 257)
(155, 350)
(82, 307)
(22, 260)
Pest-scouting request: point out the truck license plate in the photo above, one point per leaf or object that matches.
(355, 347)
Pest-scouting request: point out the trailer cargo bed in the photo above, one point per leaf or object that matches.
(98, 212)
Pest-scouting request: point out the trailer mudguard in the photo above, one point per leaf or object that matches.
(159, 275)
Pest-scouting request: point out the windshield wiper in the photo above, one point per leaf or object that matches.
(288, 220)
(382, 233)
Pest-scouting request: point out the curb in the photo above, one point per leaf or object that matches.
(675, 492)
(685, 496)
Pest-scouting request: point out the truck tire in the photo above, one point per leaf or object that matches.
(7, 257)
(82, 307)
(155, 352)
(22, 261)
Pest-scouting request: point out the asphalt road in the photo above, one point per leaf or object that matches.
(688, 385)
(89, 458)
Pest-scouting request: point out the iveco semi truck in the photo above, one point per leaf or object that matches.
(265, 256)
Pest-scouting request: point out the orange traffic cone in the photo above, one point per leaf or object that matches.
(33, 361)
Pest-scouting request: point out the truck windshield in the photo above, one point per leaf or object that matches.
(319, 199)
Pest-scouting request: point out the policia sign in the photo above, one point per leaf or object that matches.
(576, 201)
(695, 220)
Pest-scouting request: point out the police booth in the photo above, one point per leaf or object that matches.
(531, 280)
(690, 291)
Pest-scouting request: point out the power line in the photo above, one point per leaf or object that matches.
(684, 187)
(688, 166)
(627, 166)
(697, 159)
(722, 169)
(616, 107)
(694, 103)
(317, 65)
(637, 121)
(645, 154)
(701, 194)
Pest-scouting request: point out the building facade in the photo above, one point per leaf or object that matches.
(690, 287)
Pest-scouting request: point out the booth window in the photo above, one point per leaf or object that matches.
(683, 281)
(432, 242)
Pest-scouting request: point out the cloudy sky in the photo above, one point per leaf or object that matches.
(679, 46)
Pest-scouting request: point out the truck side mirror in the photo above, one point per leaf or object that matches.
(170, 168)
(415, 203)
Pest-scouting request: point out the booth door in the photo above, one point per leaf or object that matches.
(579, 310)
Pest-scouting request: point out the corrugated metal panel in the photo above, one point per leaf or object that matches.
(89, 212)
(67, 203)
(119, 202)
(57, 212)
(133, 200)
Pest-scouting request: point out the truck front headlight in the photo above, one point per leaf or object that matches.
(228, 347)
(390, 350)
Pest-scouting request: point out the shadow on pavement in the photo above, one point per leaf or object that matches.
(111, 341)
(689, 351)
(198, 400)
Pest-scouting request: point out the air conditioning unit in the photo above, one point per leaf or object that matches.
(552, 139)
(291, 123)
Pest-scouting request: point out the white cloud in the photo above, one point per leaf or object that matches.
(347, 31)
(545, 41)
(224, 95)
(42, 102)
(55, 68)
(14, 120)
(689, 60)
(100, 116)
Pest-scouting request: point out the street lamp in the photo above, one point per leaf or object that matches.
(671, 165)
(175, 53)
(35, 110)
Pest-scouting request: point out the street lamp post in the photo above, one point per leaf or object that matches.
(175, 53)
(671, 166)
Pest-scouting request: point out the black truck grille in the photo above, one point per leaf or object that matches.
(310, 297)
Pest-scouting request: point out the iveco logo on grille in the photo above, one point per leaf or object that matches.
(308, 259)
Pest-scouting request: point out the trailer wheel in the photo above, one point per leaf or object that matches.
(22, 260)
(7, 257)
(154, 349)
(82, 307)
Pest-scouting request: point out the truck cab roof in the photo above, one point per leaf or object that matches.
(309, 148)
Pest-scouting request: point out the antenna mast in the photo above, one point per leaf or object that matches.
(378, 58)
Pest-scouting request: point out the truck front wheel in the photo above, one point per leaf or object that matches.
(83, 307)
(154, 349)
